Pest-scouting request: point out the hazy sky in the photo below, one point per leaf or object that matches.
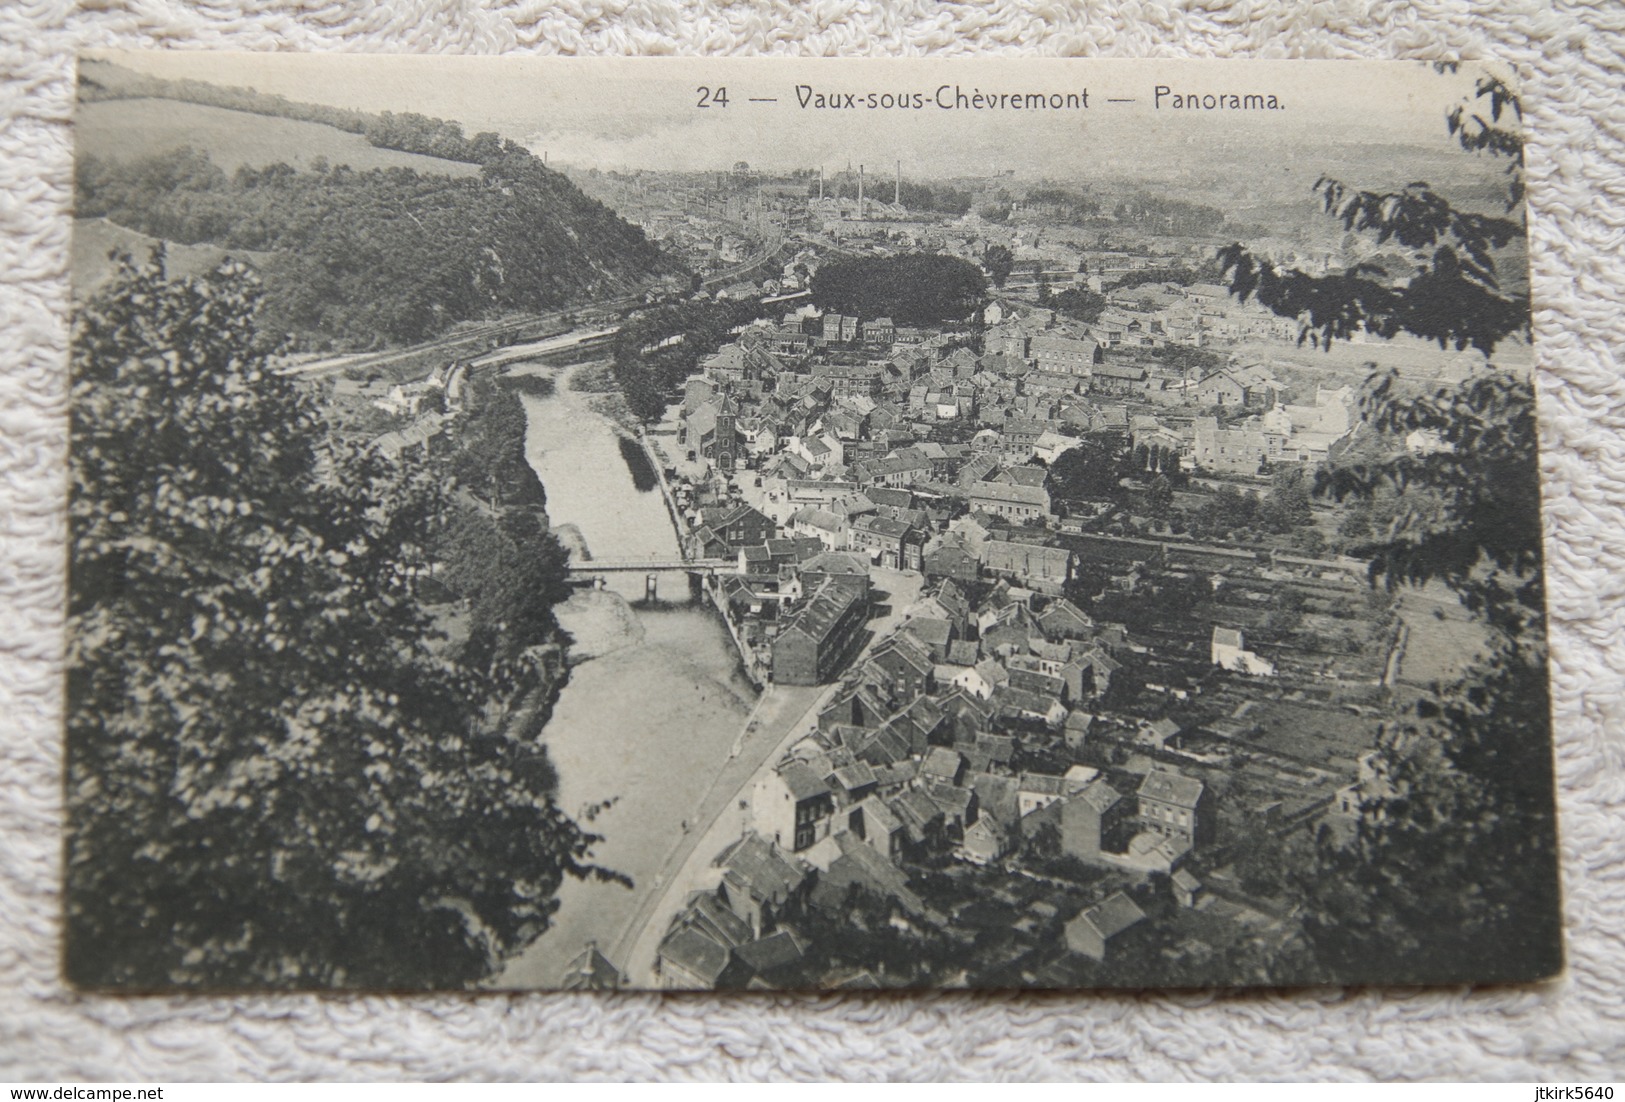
(642, 112)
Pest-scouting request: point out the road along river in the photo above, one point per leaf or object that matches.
(649, 718)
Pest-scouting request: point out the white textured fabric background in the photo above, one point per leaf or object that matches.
(1570, 57)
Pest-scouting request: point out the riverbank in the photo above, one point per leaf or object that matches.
(599, 623)
(784, 715)
(655, 698)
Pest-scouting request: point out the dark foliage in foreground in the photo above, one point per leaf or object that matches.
(275, 778)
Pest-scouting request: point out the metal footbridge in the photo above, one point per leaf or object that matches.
(651, 565)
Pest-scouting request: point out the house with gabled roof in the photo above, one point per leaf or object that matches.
(697, 951)
(893, 543)
(922, 820)
(884, 746)
(1009, 502)
(1118, 379)
(812, 644)
(772, 959)
(946, 557)
(902, 668)
(1176, 806)
(935, 635)
(1185, 888)
(1096, 820)
(892, 779)
(1076, 727)
(705, 912)
(1096, 932)
(872, 821)
(841, 568)
(1098, 670)
(1061, 619)
(864, 865)
(998, 794)
(922, 723)
(793, 805)
(942, 765)
(1022, 474)
(590, 971)
(1022, 705)
(985, 841)
(1229, 651)
(853, 780)
(1158, 733)
(958, 805)
(1005, 630)
(1069, 355)
(1029, 678)
(687, 960)
(965, 715)
(761, 883)
(739, 525)
(854, 705)
(1036, 566)
(1036, 791)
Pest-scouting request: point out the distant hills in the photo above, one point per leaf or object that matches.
(368, 230)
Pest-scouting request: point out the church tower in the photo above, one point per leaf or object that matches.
(727, 447)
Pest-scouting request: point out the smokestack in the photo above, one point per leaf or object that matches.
(820, 183)
(860, 192)
(897, 189)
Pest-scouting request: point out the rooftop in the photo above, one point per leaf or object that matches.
(1171, 788)
(1112, 915)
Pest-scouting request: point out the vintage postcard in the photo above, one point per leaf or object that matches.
(803, 524)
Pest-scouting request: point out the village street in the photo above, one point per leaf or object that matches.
(782, 717)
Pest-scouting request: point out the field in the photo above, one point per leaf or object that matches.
(129, 128)
(95, 238)
(1347, 363)
(1443, 641)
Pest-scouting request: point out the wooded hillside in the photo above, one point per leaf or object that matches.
(355, 259)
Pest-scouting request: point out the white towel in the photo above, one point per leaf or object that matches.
(1572, 1031)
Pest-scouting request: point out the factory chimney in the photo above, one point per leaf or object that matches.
(897, 188)
(860, 193)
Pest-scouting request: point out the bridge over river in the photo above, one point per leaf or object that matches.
(652, 565)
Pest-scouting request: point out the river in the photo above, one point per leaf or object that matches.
(648, 722)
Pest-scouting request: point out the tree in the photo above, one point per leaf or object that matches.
(1449, 870)
(1467, 513)
(1080, 303)
(490, 457)
(1288, 505)
(1091, 471)
(647, 365)
(356, 259)
(1160, 496)
(912, 288)
(274, 777)
(1452, 293)
(998, 260)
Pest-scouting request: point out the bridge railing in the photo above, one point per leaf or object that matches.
(590, 566)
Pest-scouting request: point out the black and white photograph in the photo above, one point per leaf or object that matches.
(802, 524)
